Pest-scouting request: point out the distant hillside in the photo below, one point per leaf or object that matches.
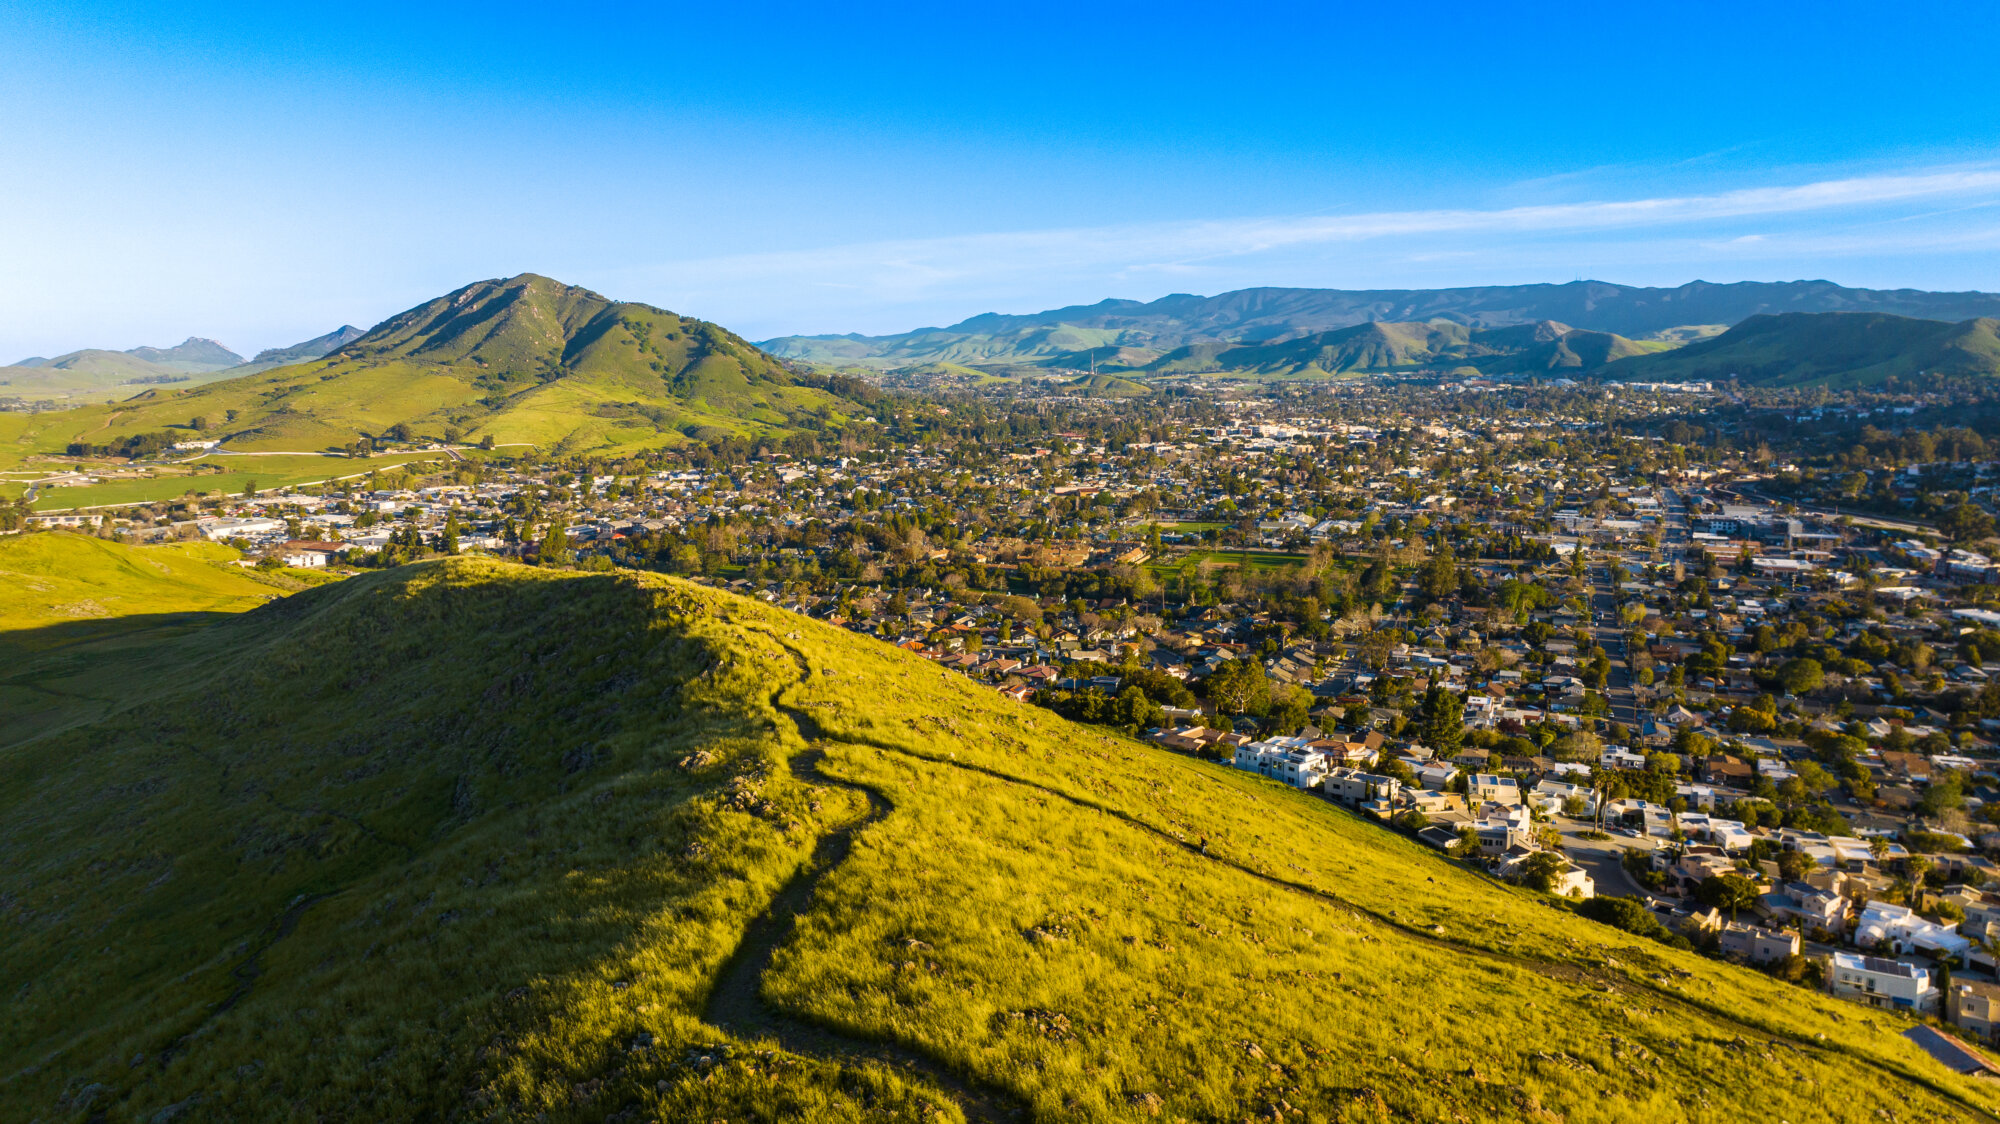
(1833, 349)
(465, 840)
(300, 352)
(1390, 346)
(1102, 385)
(1264, 315)
(96, 370)
(102, 374)
(191, 354)
(525, 360)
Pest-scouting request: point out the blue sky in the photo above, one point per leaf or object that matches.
(261, 173)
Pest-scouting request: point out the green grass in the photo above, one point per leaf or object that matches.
(240, 473)
(520, 817)
(57, 578)
(81, 617)
(1253, 561)
(1838, 349)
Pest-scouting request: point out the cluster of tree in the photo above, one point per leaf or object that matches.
(1631, 916)
(134, 446)
(1129, 708)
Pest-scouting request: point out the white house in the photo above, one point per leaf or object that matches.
(1730, 835)
(1901, 930)
(1292, 760)
(1882, 983)
(249, 528)
(1436, 775)
(1356, 788)
(1562, 791)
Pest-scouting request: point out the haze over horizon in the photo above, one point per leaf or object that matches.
(259, 177)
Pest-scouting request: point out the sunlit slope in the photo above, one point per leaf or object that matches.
(524, 360)
(471, 840)
(64, 578)
(82, 619)
(1838, 349)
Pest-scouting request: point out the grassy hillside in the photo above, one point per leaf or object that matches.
(525, 360)
(1391, 346)
(57, 578)
(467, 840)
(81, 616)
(1107, 386)
(1834, 349)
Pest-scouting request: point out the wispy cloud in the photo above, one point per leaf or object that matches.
(938, 259)
(1010, 265)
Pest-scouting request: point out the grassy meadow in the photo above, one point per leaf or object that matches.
(237, 475)
(470, 840)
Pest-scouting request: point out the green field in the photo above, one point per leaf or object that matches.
(466, 839)
(1254, 561)
(265, 473)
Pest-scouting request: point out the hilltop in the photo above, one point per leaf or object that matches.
(1268, 315)
(190, 355)
(1832, 349)
(525, 360)
(465, 839)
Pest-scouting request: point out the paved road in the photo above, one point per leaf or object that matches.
(1603, 859)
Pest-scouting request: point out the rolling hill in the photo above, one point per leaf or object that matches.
(1275, 315)
(525, 360)
(100, 374)
(1392, 346)
(96, 371)
(474, 841)
(1831, 349)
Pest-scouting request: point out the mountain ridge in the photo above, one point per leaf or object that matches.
(1273, 314)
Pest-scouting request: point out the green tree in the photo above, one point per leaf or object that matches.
(1794, 865)
(1732, 892)
(1966, 523)
(1800, 676)
(554, 549)
(1441, 720)
(1541, 869)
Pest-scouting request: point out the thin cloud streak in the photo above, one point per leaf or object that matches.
(918, 263)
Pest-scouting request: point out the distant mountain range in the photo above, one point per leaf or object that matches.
(191, 356)
(1546, 345)
(1071, 337)
(526, 360)
(98, 372)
